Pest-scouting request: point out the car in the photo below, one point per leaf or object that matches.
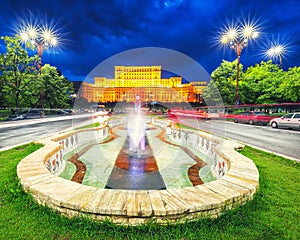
(15, 117)
(28, 114)
(32, 113)
(69, 111)
(252, 117)
(291, 120)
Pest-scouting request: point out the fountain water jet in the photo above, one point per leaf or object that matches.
(137, 129)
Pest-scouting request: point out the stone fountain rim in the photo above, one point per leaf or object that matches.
(134, 207)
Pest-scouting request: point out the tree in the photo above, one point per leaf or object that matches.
(223, 83)
(17, 72)
(260, 83)
(290, 86)
(2, 94)
(21, 83)
(56, 88)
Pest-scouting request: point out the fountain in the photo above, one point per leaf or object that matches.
(138, 188)
(137, 129)
(135, 167)
(141, 169)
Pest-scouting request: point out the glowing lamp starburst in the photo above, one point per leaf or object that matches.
(224, 39)
(32, 33)
(53, 41)
(43, 36)
(247, 31)
(237, 34)
(47, 36)
(255, 34)
(39, 35)
(232, 33)
(24, 36)
(270, 52)
(276, 51)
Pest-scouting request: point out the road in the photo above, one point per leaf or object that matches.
(24, 131)
(281, 141)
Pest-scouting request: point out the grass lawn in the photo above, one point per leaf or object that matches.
(92, 125)
(4, 114)
(273, 214)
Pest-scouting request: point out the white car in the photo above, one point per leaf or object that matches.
(291, 120)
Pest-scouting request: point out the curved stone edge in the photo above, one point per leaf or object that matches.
(130, 207)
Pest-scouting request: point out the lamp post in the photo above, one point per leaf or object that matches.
(42, 39)
(73, 97)
(237, 38)
(277, 51)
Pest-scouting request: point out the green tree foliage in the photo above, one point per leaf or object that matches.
(21, 83)
(261, 83)
(56, 88)
(223, 83)
(2, 93)
(290, 86)
(17, 72)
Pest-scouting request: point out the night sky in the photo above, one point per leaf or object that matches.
(93, 31)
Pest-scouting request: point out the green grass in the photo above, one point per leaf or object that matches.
(273, 214)
(4, 114)
(96, 124)
(180, 125)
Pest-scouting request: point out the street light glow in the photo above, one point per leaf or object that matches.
(237, 35)
(255, 34)
(32, 33)
(47, 35)
(24, 36)
(279, 49)
(270, 52)
(232, 33)
(43, 37)
(248, 31)
(53, 41)
(276, 50)
(224, 39)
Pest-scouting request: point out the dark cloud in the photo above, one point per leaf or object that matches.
(93, 31)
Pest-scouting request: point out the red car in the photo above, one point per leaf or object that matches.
(252, 117)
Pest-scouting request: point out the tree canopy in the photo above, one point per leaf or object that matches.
(17, 72)
(21, 84)
(259, 84)
(223, 83)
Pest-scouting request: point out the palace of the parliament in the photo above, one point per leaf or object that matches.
(143, 81)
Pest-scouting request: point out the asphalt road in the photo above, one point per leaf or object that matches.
(281, 141)
(25, 131)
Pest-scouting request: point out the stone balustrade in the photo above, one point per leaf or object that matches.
(235, 184)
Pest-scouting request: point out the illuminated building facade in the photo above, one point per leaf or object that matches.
(144, 81)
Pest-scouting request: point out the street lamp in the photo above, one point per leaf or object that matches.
(276, 51)
(42, 39)
(237, 38)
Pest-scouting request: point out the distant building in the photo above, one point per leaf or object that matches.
(144, 81)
